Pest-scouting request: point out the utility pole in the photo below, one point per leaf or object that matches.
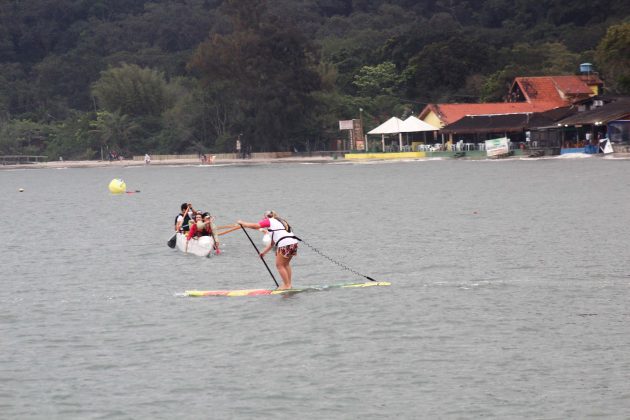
(365, 143)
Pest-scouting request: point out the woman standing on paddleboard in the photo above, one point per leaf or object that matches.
(282, 238)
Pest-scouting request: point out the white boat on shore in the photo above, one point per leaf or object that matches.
(202, 246)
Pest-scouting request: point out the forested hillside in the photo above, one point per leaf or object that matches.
(79, 77)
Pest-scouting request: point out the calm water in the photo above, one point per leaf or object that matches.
(509, 299)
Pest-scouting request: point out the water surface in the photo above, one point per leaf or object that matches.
(509, 296)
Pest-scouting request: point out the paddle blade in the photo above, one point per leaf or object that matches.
(172, 242)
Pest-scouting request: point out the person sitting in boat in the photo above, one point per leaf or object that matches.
(209, 220)
(183, 218)
(282, 238)
(196, 227)
(203, 226)
(211, 230)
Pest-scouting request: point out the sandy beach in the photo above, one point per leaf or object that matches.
(170, 162)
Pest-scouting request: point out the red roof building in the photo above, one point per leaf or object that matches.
(441, 115)
(562, 90)
(527, 95)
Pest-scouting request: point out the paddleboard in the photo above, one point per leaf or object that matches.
(259, 292)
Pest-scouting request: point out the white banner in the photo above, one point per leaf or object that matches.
(496, 147)
(345, 125)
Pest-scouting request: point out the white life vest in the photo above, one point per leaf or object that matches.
(279, 235)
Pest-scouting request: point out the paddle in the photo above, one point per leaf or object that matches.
(173, 241)
(229, 230)
(261, 257)
(132, 192)
(227, 227)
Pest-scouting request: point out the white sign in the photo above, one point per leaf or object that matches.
(345, 125)
(496, 147)
(605, 146)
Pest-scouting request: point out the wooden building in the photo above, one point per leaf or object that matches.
(532, 102)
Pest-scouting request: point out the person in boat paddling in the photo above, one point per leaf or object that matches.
(182, 219)
(282, 238)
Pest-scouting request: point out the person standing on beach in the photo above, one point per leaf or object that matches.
(282, 238)
(238, 146)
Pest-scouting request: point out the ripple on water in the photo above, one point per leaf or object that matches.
(508, 296)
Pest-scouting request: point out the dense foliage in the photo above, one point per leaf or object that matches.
(80, 78)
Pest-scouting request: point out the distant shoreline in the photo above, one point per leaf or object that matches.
(165, 162)
(67, 164)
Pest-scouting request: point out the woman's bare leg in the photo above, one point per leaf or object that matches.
(282, 264)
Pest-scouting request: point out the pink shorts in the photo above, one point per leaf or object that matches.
(288, 250)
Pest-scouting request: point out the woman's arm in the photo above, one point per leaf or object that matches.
(267, 248)
(248, 224)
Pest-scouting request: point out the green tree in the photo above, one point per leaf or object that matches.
(134, 100)
(132, 90)
(613, 58)
(268, 67)
(378, 80)
(201, 120)
(496, 86)
(115, 131)
(73, 139)
(524, 59)
(23, 137)
(442, 68)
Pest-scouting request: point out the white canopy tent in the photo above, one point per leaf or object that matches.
(397, 126)
(391, 126)
(414, 125)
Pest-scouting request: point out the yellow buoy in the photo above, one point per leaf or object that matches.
(117, 186)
